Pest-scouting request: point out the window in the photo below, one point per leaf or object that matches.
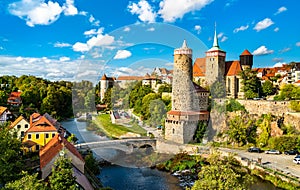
(173, 131)
(29, 136)
(26, 125)
(18, 126)
(37, 136)
(37, 147)
(22, 134)
(53, 134)
(47, 135)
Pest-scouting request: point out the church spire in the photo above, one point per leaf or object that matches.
(184, 44)
(216, 43)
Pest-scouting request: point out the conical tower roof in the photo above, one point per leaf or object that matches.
(184, 49)
(246, 52)
(216, 42)
(104, 77)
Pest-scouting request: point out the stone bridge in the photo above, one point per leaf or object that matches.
(126, 145)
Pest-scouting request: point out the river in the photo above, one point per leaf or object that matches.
(125, 178)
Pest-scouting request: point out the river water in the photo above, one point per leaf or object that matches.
(125, 178)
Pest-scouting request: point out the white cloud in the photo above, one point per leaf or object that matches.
(170, 10)
(63, 59)
(126, 29)
(62, 44)
(122, 54)
(284, 50)
(69, 8)
(241, 28)
(220, 35)
(298, 44)
(276, 59)
(36, 12)
(152, 29)
(197, 28)
(261, 25)
(276, 29)
(144, 11)
(81, 47)
(262, 50)
(280, 10)
(224, 38)
(169, 64)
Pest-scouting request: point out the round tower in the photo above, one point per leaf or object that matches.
(104, 86)
(246, 59)
(182, 88)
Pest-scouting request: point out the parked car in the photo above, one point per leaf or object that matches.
(291, 152)
(254, 149)
(297, 159)
(272, 151)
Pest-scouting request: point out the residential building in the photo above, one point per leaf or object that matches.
(14, 99)
(20, 125)
(5, 115)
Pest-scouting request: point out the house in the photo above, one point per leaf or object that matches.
(41, 131)
(14, 99)
(5, 115)
(20, 125)
(59, 146)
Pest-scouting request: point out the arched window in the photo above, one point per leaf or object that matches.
(173, 131)
(229, 85)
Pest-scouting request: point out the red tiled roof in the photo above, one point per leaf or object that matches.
(2, 109)
(298, 81)
(179, 113)
(246, 52)
(15, 94)
(130, 78)
(103, 77)
(232, 68)
(42, 125)
(199, 67)
(53, 147)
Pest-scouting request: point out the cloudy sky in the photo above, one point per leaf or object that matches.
(82, 39)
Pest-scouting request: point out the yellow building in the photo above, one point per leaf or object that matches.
(39, 134)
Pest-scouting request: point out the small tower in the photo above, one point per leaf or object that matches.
(215, 62)
(246, 59)
(104, 86)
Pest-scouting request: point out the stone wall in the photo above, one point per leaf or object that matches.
(260, 107)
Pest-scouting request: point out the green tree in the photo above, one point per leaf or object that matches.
(222, 174)
(62, 175)
(295, 105)
(264, 126)
(27, 182)
(92, 164)
(288, 92)
(233, 105)
(200, 131)
(158, 111)
(145, 108)
(165, 88)
(251, 83)
(11, 163)
(268, 88)
(3, 97)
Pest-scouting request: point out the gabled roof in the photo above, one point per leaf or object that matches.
(20, 118)
(232, 68)
(2, 109)
(130, 78)
(15, 94)
(42, 125)
(53, 147)
(199, 67)
(198, 88)
(246, 52)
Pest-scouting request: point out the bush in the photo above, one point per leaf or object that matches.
(283, 143)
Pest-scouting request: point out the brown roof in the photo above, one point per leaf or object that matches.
(103, 77)
(2, 109)
(53, 147)
(15, 94)
(42, 125)
(198, 88)
(246, 52)
(28, 144)
(298, 81)
(20, 118)
(199, 67)
(179, 113)
(130, 78)
(232, 68)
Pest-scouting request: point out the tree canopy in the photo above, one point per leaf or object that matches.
(251, 83)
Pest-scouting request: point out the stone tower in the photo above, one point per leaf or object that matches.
(104, 86)
(215, 62)
(246, 60)
(182, 120)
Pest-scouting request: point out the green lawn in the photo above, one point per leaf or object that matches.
(115, 130)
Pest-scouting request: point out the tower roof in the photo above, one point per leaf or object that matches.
(246, 52)
(104, 77)
(184, 49)
(216, 42)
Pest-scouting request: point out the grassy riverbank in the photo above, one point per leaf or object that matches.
(111, 130)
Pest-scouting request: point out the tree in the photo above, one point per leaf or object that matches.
(27, 182)
(233, 105)
(200, 131)
(222, 174)
(239, 128)
(165, 88)
(62, 175)
(267, 88)
(145, 108)
(158, 111)
(11, 163)
(295, 105)
(92, 164)
(264, 126)
(288, 92)
(251, 83)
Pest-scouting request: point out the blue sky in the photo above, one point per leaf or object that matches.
(82, 39)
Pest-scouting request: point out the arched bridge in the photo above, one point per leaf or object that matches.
(126, 145)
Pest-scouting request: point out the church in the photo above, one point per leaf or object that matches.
(213, 66)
